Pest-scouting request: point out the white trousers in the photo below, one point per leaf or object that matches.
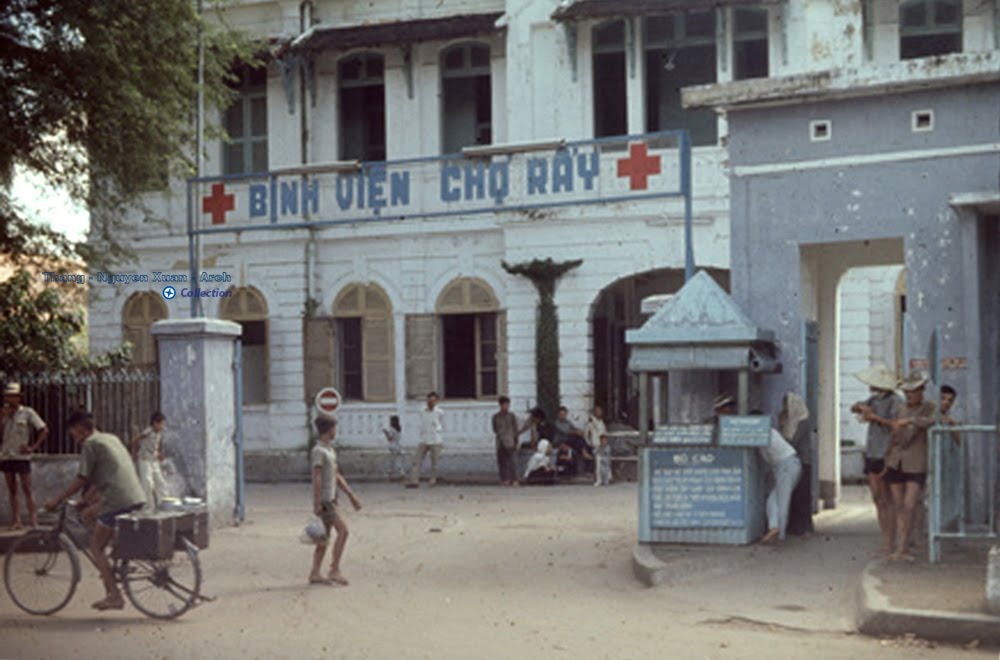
(786, 476)
(153, 483)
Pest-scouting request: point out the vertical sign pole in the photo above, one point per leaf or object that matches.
(191, 248)
(199, 160)
(686, 191)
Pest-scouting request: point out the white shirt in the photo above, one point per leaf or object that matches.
(595, 429)
(432, 426)
(777, 450)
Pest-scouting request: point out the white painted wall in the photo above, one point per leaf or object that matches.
(535, 97)
(867, 336)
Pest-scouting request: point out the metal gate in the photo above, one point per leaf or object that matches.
(950, 515)
(121, 400)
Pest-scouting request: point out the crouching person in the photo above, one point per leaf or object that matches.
(326, 479)
(113, 489)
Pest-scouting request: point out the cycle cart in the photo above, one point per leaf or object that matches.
(42, 568)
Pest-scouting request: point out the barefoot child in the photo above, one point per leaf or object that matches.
(147, 449)
(326, 479)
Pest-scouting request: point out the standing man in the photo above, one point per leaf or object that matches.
(906, 459)
(431, 440)
(880, 411)
(505, 430)
(23, 433)
(106, 468)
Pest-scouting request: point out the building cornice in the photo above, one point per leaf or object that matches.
(943, 71)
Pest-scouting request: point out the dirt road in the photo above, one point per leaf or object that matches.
(484, 572)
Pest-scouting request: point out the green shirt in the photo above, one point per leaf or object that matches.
(106, 464)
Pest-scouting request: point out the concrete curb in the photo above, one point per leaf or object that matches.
(877, 617)
(647, 567)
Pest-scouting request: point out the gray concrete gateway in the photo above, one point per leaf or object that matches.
(830, 171)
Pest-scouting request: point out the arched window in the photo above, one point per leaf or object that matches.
(610, 98)
(362, 107)
(681, 51)
(466, 96)
(363, 343)
(140, 312)
(929, 27)
(248, 307)
(470, 322)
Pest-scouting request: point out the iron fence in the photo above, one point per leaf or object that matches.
(121, 400)
(955, 511)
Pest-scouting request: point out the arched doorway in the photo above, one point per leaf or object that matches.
(617, 308)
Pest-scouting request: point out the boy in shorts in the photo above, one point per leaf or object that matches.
(113, 488)
(326, 479)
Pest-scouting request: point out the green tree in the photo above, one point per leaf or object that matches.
(98, 97)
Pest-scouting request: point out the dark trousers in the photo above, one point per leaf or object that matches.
(507, 463)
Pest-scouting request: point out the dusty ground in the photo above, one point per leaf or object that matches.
(512, 573)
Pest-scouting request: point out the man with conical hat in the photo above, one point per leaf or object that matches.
(880, 411)
(23, 433)
(906, 459)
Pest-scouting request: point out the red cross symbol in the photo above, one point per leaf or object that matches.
(218, 203)
(638, 166)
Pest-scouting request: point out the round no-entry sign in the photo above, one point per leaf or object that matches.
(327, 400)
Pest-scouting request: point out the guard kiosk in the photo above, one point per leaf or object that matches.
(702, 483)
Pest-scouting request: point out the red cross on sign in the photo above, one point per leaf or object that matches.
(218, 203)
(328, 400)
(639, 166)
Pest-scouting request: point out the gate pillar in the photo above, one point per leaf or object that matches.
(197, 396)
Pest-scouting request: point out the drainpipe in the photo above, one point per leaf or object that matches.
(306, 9)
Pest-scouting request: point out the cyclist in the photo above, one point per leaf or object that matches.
(106, 468)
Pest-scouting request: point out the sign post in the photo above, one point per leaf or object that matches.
(327, 401)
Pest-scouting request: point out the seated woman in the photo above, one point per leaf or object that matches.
(539, 471)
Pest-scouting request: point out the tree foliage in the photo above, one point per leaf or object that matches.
(39, 326)
(98, 96)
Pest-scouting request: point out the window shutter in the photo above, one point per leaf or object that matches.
(318, 355)
(421, 355)
(377, 360)
(502, 352)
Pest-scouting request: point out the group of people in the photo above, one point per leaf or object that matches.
(558, 446)
(896, 452)
(113, 479)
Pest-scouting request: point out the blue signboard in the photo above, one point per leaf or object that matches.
(618, 169)
(684, 434)
(696, 488)
(744, 430)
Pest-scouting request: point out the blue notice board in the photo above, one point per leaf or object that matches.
(684, 434)
(744, 430)
(701, 487)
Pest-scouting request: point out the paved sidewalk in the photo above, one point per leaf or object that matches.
(941, 602)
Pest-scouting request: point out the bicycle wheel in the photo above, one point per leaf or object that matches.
(163, 589)
(41, 572)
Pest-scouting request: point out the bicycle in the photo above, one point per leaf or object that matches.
(42, 569)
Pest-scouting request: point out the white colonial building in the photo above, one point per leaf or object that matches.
(365, 250)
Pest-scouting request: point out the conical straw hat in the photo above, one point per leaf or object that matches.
(878, 375)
